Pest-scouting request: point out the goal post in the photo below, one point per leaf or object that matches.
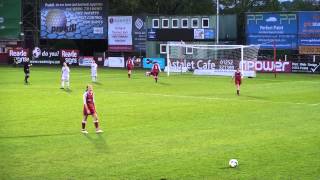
(210, 59)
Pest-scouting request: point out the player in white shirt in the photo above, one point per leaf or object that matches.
(94, 71)
(65, 76)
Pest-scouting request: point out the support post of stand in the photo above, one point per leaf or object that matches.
(275, 59)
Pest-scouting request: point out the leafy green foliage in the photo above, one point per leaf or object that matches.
(163, 7)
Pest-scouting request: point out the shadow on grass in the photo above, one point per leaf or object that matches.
(37, 135)
(98, 141)
(97, 83)
(68, 90)
(227, 168)
(164, 83)
(254, 97)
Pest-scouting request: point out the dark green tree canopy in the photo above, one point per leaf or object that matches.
(191, 7)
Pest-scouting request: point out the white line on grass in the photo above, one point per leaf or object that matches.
(213, 98)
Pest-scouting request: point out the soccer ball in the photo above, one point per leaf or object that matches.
(36, 52)
(233, 163)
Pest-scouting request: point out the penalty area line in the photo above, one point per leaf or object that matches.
(213, 98)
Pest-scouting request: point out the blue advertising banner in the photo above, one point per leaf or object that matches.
(305, 40)
(281, 41)
(309, 32)
(268, 29)
(209, 34)
(73, 19)
(271, 23)
(203, 34)
(309, 22)
(161, 62)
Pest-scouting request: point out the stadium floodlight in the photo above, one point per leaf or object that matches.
(210, 59)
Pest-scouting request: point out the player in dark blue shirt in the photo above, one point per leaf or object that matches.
(26, 69)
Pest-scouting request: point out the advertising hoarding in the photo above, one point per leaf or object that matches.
(306, 67)
(309, 22)
(268, 66)
(205, 64)
(202, 34)
(268, 41)
(161, 62)
(272, 23)
(267, 29)
(45, 56)
(86, 60)
(19, 55)
(309, 39)
(69, 19)
(70, 56)
(309, 49)
(120, 33)
(152, 34)
(114, 62)
(139, 33)
(309, 33)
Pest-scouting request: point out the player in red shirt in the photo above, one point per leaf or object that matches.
(130, 65)
(155, 70)
(89, 109)
(237, 80)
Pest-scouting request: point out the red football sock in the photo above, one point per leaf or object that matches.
(96, 124)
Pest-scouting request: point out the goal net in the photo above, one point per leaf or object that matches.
(210, 59)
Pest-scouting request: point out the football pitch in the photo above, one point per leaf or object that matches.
(183, 127)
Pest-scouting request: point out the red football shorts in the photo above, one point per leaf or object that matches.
(91, 108)
(155, 73)
(130, 67)
(237, 81)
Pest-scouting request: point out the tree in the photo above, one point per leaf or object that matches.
(303, 5)
(165, 7)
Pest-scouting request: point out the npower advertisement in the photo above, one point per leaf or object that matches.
(268, 66)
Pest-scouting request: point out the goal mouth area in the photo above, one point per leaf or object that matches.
(221, 60)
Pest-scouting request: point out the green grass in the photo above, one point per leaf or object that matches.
(184, 127)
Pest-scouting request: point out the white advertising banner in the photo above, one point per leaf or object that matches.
(86, 60)
(198, 34)
(115, 62)
(120, 33)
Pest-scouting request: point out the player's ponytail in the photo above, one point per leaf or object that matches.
(87, 88)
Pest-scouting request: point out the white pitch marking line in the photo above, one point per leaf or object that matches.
(214, 98)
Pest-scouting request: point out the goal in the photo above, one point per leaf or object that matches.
(210, 59)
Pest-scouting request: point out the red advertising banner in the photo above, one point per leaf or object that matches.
(4, 58)
(70, 56)
(269, 66)
(120, 48)
(18, 52)
(19, 55)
